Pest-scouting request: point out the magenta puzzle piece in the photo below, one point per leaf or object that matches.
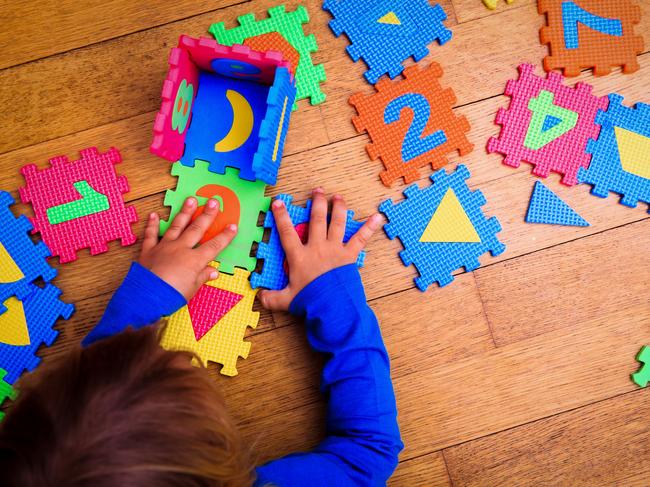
(79, 204)
(548, 124)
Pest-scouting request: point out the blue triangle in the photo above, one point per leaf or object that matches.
(550, 121)
(546, 207)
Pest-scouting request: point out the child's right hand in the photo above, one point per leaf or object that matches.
(323, 251)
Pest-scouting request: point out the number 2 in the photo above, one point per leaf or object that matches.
(414, 143)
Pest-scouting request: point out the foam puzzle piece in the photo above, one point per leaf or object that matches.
(642, 377)
(290, 26)
(274, 41)
(6, 391)
(620, 156)
(241, 203)
(21, 260)
(411, 123)
(525, 134)
(385, 33)
(409, 221)
(28, 324)
(274, 275)
(55, 186)
(594, 34)
(223, 341)
(547, 207)
(492, 4)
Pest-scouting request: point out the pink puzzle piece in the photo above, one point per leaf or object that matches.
(548, 124)
(181, 85)
(208, 306)
(79, 204)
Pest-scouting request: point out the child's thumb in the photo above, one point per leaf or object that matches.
(275, 300)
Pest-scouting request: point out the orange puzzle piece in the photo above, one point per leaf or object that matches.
(596, 34)
(411, 123)
(274, 41)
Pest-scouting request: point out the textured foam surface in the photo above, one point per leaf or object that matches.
(547, 207)
(642, 377)
(492, 4)
(6, 391)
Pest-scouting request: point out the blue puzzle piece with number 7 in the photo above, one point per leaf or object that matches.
(273, 275)
(385, 33)
(21, 260)
(442, 227)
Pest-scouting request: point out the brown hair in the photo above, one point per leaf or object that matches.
(122, 412)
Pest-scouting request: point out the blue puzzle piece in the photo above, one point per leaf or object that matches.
(273, 275)
(547, 207)
(573, 15)
(385, 33)
(30, 258)
(41, 309)
(436, 261)
(607, 171)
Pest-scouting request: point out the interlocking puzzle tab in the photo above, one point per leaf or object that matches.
(213, 324)
(411, 123)
(620, 157)
(231, 108)
(547, 207)
(442, 227)
(274, 272)
(241, 203)
(595, 34)
(21, 260)
(6, 391)
(642, 377)
(385, 33)
(492, 4)
(290, 26)
(26, 325)
(79, 204)
(548, 124)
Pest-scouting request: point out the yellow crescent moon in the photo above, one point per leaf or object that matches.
(13, 324)
(242, 123)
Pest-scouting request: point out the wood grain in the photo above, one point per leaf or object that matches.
(427, 470)
(468, 10)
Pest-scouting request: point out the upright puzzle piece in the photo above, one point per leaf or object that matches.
(548, 124)
(595, 34)
(21, 260)
(213, 324)
(442, 227)
(79, 204)
(241, 203)
(492, 4)
(6, 391)
(289, 25)
(385, 33)
(547, 207)
(28, 324)
(411, 123)
(642, 377)
(620, 157)
(274, 275)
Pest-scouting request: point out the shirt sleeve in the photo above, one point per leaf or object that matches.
(142, 299)
(363, 439)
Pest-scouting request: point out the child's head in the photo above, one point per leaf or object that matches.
(122, 412)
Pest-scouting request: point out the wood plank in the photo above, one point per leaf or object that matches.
(36, 29)
(468, 10)
(429, 470)
(601, 444)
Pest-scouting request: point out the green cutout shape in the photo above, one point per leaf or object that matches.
(642, 377)
(542, 107)
(182, 106)
(91, 202)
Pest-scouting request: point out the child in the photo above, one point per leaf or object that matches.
(124, 412)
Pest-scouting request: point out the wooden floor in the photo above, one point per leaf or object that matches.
(516, 374)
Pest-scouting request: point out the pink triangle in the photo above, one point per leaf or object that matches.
(208, 306)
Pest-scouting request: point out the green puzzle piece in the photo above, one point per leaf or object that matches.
(308, 76)
(6, 391)
(240, 202)
(538, 134)
(91, 202)
(642, 377)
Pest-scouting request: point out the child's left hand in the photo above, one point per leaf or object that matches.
(174, 258)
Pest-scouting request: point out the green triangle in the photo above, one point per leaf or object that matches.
(539, 134)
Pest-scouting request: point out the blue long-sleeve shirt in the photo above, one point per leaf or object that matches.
(363, 439)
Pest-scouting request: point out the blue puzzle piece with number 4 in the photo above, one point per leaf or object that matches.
(385, 33)
(21, 261)
(621, 155)
(273, 275)
(31, 322)
(431, 240)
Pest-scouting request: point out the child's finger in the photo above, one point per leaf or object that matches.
(208, 274)
(151, 232)
(180, 221)
(360, 239)
(318, 218)
(339, 217)
(288, 235)
(197, 228)
(275, 300)
(213, 247)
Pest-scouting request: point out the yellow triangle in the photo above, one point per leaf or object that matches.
(13, 324)
(390, 18)
(634, 152)
(9, 271)
(450, 223)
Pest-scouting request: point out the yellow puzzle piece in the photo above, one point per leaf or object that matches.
(450, 223)
(13, 324)
(634, 152)
(224, 342)
(492, 4)
(9, 271)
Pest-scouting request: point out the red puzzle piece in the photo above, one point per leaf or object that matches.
(208, 306)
